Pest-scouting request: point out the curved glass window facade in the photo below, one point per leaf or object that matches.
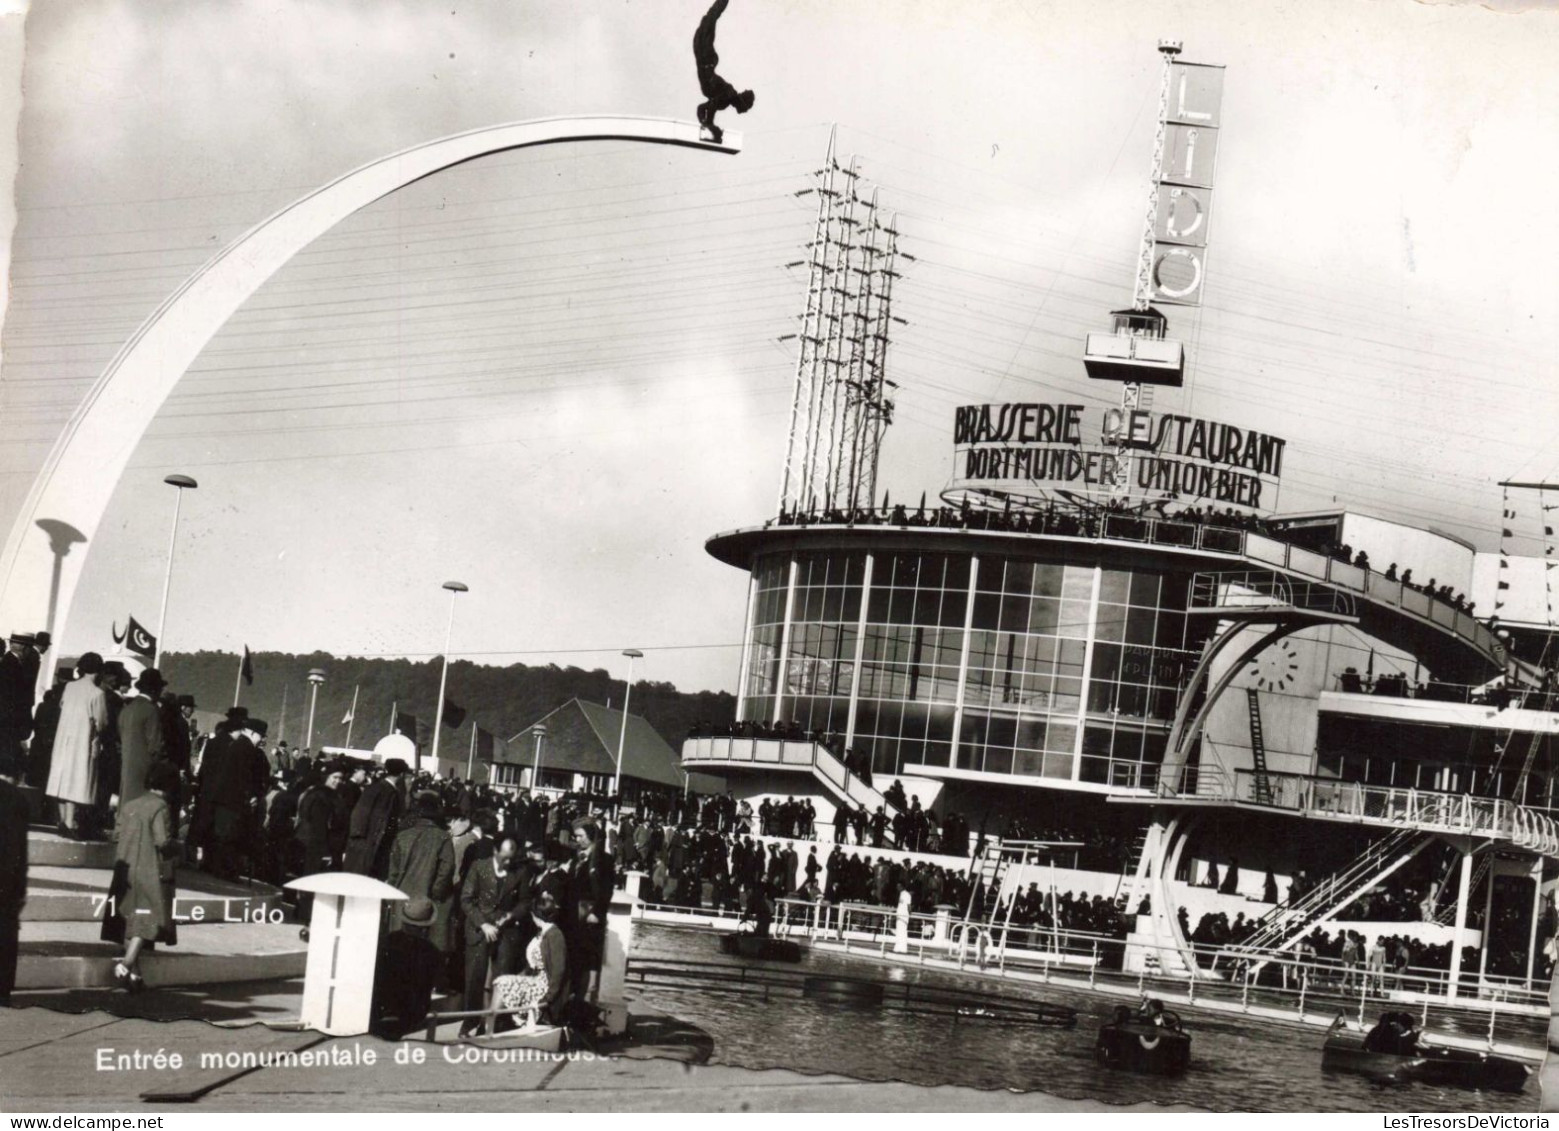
(996, 665)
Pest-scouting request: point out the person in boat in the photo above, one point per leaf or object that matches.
(1151, 1011)
(759, 910)
(1395, 1033)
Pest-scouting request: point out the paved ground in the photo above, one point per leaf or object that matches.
(52, 1061)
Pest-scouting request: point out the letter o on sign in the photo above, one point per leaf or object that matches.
(1177, 273)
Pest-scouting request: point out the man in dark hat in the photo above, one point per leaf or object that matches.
(411, 962)
(375, 820)
(18, 679)
(141, 740)
(32, 658)
(233, 779)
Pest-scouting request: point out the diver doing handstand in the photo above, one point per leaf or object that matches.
(719, 94)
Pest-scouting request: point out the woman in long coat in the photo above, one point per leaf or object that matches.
(73, 766)
(147, 849)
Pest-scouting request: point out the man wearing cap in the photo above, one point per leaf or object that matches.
(78, 742)
(18, 679)
(375, 820)
(233, 778)
(141, 740)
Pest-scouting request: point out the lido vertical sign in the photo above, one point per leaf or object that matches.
(1072, 449)
(1185, 182)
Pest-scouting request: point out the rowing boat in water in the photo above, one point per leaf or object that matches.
(1428, 1064)
(766, 949)
(1140, 1043)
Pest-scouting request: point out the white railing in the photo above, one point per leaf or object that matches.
(788, 753)
(1374, 804)
(1310, 982)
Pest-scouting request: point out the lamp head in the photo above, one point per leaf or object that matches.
(457, 587)
(180, 481)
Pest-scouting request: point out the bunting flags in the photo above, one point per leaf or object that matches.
(135, 638)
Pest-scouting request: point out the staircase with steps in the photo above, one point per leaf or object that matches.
(228, 931)
(1287, 923)
(721, 753)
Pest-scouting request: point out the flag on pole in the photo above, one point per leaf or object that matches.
(486, 746)
(406, 724)
(348, 717)
(135, 638)
(453, 715)
(247, 668)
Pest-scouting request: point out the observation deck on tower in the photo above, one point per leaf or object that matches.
(1138, 350)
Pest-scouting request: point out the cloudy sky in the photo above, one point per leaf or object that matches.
(552, 374)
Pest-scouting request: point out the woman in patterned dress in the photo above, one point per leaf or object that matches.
(544, 983)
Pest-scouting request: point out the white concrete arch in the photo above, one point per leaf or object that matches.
(38, 571)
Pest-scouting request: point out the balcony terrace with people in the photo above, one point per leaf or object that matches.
(1422, 616)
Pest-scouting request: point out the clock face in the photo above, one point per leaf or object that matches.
(1276, 669)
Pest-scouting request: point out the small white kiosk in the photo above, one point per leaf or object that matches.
(338, 979)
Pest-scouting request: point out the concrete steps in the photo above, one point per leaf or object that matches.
(229, 931)
(71, 956)
(72, 895)
(50, 848)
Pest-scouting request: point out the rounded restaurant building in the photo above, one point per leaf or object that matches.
(1201, 689)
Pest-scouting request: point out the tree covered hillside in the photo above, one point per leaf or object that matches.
(501, 700)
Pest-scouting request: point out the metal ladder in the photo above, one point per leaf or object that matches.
(1258, 749)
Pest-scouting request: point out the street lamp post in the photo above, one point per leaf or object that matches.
(181, 483)
(316, 677)
(539, 732)
(622, 735)
(455, 589)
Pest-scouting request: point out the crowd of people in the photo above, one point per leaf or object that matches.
(507, 894)
(1094, 915)
(1497, 693)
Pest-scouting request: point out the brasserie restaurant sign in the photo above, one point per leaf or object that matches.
(1077, 448)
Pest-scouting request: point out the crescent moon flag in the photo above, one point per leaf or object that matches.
(135, 638)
